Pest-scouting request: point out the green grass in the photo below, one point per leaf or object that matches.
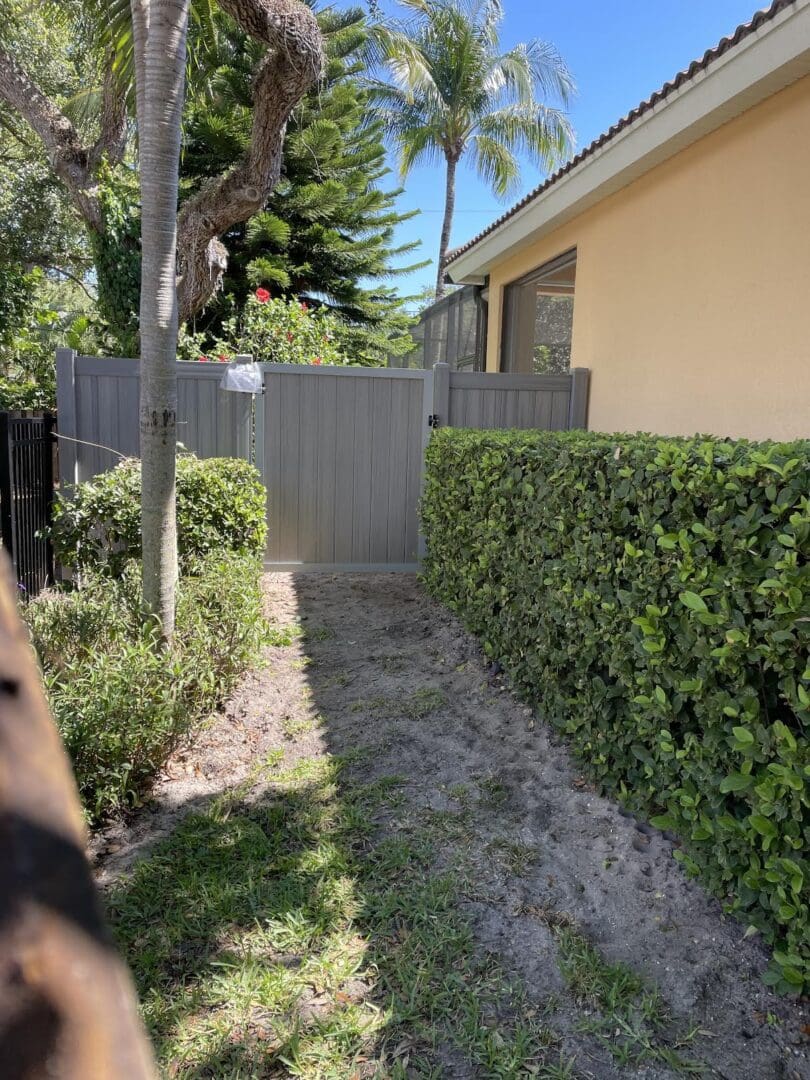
(625, 1015)
(515, 857)
(275, 934)
(283, 636)
(416, 706)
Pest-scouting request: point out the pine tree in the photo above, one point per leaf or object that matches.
(326, 235)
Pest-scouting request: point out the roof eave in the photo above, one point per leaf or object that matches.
(763, 63)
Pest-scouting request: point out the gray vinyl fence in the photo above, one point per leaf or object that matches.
(343, 450)
(97, 400)
(545, 402)
(340, 450)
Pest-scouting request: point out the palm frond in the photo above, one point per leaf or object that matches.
(536, 65)
(541, 132)
(447, 84)
(495, 164)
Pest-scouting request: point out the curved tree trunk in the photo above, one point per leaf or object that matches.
(292, 64)
(447, 224)
(159, 31)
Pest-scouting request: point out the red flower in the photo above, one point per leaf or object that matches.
(262, 295)
(223, 359)
(304, 306)
(289, 335)
(317, 360)
(203, 358)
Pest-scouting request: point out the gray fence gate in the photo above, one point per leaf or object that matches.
(341, 450)
(342, 455)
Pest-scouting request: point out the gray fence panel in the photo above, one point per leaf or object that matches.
(341, 449)
(480, 400)
(98, 406)
(343, 464)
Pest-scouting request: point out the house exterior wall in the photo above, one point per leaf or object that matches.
(692, 305)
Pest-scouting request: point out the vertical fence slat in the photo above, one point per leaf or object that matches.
(345, 460)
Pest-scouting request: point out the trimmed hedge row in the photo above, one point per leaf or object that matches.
(220, 508)
(652, 597)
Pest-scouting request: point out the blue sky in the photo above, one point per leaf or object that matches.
(619, 52)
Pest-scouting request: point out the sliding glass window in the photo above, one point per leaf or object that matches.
(538, 317)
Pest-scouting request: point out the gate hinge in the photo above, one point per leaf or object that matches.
(433, 420)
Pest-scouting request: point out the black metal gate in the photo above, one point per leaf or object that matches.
(26, 496)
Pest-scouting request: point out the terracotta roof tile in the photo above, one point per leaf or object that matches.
(696, 67)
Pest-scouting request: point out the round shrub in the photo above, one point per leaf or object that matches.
(220, 508)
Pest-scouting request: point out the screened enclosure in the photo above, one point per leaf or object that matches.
(451, 331)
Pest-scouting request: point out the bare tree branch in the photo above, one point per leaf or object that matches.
(292, 65)
(72, 277)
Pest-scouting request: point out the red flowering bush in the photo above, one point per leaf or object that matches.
(272, 331)
(284, 332)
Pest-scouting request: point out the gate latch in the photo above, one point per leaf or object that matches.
(433, 420)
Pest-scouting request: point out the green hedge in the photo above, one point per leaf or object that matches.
(652, 597)
(220, 508)
(121, 704)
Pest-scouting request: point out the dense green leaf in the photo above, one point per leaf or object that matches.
(678, 670)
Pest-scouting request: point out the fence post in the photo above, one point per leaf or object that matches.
(48, 430)
(441, 395)
(578, 402)
(66, 416)
(258, 427)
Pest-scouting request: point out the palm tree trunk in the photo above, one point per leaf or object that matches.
(160, 55)
(447, 224)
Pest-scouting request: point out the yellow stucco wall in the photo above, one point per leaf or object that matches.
(692, 305)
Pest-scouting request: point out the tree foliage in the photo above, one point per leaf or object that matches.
(452, 94)
(79, 138)
(326, 232)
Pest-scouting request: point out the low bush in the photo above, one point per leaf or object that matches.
(121, 704)
(652, 597)
(220, 508)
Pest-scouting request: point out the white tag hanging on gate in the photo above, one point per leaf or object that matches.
(243, 376)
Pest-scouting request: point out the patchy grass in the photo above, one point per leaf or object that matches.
(283, 636)
(293, 726)
(416, 706)
(493, 791)
(515, 857)
(274, 935)
(627, 1017)
(422, 703)
(317, 633)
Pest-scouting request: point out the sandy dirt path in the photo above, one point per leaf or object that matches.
(381, 667)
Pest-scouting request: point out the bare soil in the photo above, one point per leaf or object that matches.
(381, 667)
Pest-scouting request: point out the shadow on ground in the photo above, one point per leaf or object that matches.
(412, 880)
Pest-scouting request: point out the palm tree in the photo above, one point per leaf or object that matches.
(452, 93)
(159, 37)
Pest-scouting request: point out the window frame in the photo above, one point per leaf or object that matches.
(515, 325)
